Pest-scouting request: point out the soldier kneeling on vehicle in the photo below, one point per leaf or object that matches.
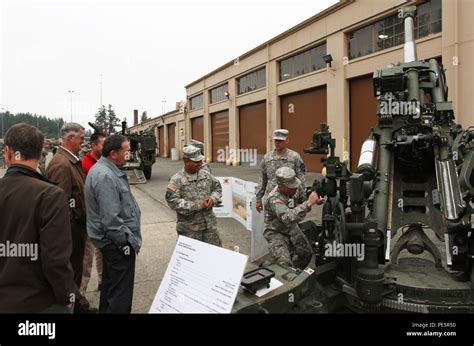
(285, 207)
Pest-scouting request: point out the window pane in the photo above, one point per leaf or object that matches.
(436, 27)
(317, 61)
(361, 43)
(399, 29)
(242, 82)
(298, 64)
(399, 39)
(196, 101)
(253, 81)
(303, 63)
(261, 78)
(285, 69)
(217, 94)
(423, 31)
(389, 32)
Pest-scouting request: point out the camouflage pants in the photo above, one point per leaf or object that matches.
(209, 236)
(291, 249)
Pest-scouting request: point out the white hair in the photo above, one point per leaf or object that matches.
(69, 128)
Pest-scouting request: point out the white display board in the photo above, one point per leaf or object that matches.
(200, 278)
(237, 195)
(238, 202)
(225, 210)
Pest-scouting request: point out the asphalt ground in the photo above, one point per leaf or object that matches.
(159, 229)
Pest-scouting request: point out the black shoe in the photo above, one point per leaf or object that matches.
(82, 307)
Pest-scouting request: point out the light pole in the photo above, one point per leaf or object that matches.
(2, 120)
(100, 90)
(70, 93)
(163, 106)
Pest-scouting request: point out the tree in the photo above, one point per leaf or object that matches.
(106, 120)
(113, 120)
(101, 120)
(144, 117)
(49, 127)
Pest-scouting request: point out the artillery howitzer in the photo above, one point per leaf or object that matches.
(142, 154)
(407, 210)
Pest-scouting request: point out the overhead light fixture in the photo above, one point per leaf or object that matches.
(383, 36)
(328, 59)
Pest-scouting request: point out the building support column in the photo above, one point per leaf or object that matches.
(338, 97)
(233, 124)
(273, 103)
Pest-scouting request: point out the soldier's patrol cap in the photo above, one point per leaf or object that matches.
(286, 176)
(280, 134)
(192, 153)
(196, 144)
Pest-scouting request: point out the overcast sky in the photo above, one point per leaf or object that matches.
(147, 51)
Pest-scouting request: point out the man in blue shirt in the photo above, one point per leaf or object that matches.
(113, 225)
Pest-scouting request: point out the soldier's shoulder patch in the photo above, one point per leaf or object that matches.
(172, 187)
(277, 200)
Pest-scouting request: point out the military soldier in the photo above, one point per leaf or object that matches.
(192, 192)
(205, 166)
(284, 208)
(280, 157)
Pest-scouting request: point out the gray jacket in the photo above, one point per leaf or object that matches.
(113, 215)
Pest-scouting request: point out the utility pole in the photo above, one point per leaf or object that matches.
(70, 93)
(100, 90)
(3, 114)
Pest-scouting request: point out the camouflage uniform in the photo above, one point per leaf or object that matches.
(287, 244)
(270, 163)
(205, 166)
(184, 193)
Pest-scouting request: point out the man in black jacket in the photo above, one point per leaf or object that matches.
(35, 232)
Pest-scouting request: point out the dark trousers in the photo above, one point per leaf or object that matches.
(118, 278)
(57, 309)
(79, 236)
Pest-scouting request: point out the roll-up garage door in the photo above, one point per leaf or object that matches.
(161, 140)
(220, 132)
(253, 127)
(197, 129)
(171, 138)
(301, 114)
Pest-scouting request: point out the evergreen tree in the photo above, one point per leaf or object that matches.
(101, 119)
(144, 117)
(49, 127)
(106, 120)
(113, 120)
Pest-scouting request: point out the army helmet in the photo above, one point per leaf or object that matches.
(287, 177)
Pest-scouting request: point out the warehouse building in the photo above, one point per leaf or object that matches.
(286, 83)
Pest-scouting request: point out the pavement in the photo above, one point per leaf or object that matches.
(159, 229)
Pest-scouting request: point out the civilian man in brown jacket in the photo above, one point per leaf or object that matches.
(65, 169)
(35, 234)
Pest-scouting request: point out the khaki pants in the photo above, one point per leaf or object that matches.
(89, 253)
